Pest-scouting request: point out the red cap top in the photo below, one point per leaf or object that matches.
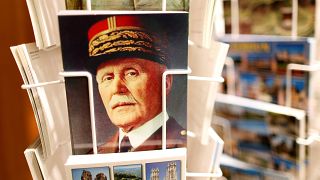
(114, 22)
(126, 36)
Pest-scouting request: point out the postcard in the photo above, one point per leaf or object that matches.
(262, 134)
(205, 149)
(126, 55)
(157, 164)
(271, 17)
(234, 168)
(91, 173)
(260, 68)
(164, 170)
(132, 171)
(145, 5)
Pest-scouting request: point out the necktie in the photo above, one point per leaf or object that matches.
(125, 145)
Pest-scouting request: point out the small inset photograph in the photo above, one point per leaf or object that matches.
(98, 173)
(128, 172)
(163, 170)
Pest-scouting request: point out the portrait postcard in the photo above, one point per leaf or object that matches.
(126, 54)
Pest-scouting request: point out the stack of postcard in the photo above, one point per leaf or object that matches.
(272, 17)
(201, 22)
(43, 15)
(272, 69)
(42, 167)
(261, 65)
(114, 67)
(48, 102)
(262, 134)
(236, 169)
(138, 5)
(205, 147)
(206, 58)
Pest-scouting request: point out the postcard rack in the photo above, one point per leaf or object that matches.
(314, 68)
(207, 134)
(215, 173)
(314, 135)
(312, 129)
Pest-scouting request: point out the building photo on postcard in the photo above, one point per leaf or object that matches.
(133, 171)
(102, 173)
(169, 170)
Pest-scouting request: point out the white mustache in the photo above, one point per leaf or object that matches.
(117, 100)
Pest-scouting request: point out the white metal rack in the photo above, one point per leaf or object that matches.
(313, 127)
(217, 173)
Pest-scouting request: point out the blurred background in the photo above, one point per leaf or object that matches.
(17, 124)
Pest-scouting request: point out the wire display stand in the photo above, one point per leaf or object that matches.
(88, 76)
(75, 74)
(313, 136)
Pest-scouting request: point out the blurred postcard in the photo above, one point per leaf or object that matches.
(262, 134)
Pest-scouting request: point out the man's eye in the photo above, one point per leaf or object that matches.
(107, 77)
(131, 73)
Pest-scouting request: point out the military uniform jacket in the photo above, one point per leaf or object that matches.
(176, 138)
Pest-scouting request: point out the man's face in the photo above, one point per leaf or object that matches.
(130, 89)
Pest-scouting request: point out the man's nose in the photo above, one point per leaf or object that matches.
(119, 85)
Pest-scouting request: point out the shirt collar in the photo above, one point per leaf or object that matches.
(142, 133)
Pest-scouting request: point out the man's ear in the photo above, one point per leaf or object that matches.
(169, 80)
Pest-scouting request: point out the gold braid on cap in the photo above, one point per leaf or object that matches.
(127, 39)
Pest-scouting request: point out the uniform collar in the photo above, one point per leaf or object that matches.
(142, 133)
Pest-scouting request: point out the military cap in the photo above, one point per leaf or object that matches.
(123, 36)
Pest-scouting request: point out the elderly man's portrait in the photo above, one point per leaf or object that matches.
(126, 56)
